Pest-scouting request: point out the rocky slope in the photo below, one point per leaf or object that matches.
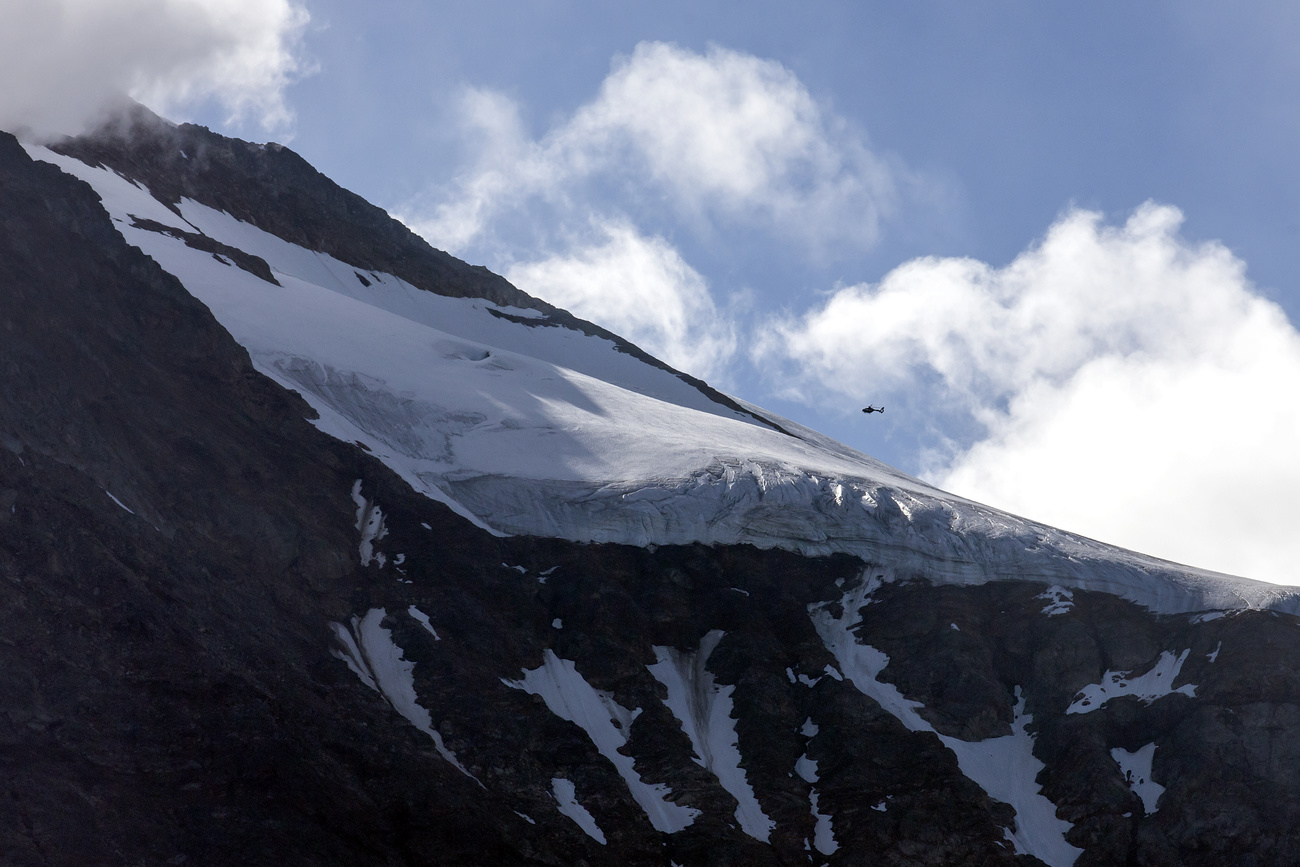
(228, 636)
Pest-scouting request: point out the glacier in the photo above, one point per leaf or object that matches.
(526, 427)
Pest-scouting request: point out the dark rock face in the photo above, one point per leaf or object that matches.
(172, 690)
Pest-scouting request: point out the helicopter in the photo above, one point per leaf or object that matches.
(870, 409)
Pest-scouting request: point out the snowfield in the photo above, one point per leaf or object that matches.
(526, 428)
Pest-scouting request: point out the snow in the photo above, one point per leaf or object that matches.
(1155, 683)
(527, 818)
(564, 794)
(370, 523)
(823, 833)
(1214, 654)
(806, 768)
(1208, 616)
(557, 623)
(1005, 767)
(424, 621)
(369, 650)
(607, 723)
(1059, 600)
(1136, 768)
(119, 502)
(703, 707)
(548, 431)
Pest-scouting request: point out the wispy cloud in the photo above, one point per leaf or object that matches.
(720, 136)
(673, 141)
(65, 62)
(643, 290)
(1124, 383)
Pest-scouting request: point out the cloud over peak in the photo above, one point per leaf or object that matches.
(66, 62)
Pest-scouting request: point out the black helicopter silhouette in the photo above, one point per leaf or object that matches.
(871, 409)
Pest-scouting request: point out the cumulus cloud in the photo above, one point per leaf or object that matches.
(1124, 383)
(641, 289)
(720, 137)
(65, 62)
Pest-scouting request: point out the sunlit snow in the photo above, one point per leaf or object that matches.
(548, 431)
(1005, 767)
(607, 723)
(703, 707)
(369, 650)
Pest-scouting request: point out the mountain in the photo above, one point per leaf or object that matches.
(320, 546)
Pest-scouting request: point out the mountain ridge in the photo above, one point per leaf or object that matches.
(288, 651)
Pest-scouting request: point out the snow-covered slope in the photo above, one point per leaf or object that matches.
(529, 428)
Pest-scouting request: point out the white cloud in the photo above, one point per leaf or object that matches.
(641, 289)
(1128, 385)
(64, 62)
(719, 137)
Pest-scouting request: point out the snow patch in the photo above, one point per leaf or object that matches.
(1136, 768)
(424, 621)
(806, 768)
(370, 523)
(369, 650)
(606, 722)
(557, 623)
(1155, 683)
(1214, 654)
(1059, 600)
(1005, 767)
(1208, 616)
(564, 794)
(704, 709)
(823, 833)
(119, 502)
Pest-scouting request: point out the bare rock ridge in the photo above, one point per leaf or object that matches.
(226, 637)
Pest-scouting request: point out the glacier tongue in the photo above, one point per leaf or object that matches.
(525, 427)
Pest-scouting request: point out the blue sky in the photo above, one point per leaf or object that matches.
(1057, 241)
